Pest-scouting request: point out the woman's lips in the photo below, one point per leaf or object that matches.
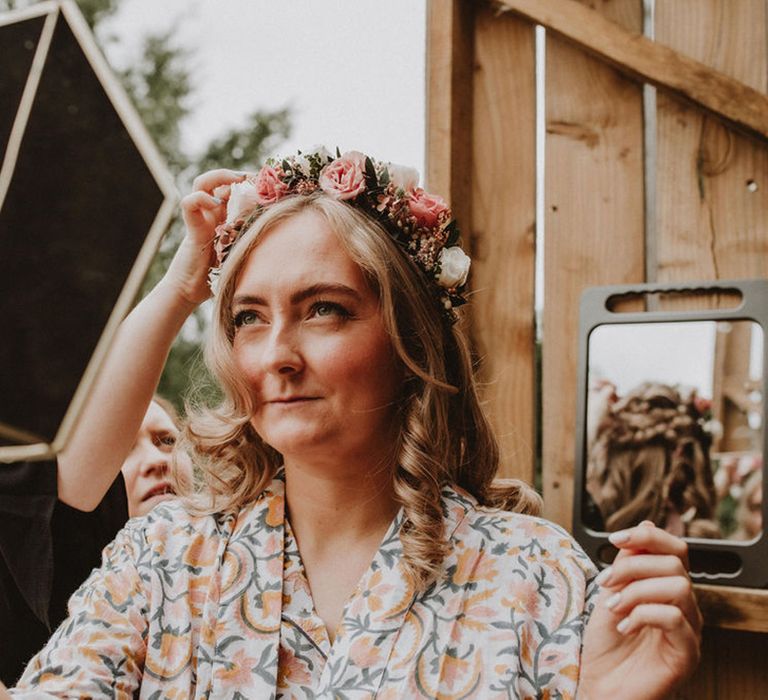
(162, 489)
(293, 399)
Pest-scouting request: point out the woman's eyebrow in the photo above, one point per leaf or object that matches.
(317, 290)
(314, 290)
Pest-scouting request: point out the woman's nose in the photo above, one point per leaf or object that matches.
(155, 461)
(282, 355)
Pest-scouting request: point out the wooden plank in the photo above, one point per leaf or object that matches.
(711, 224)
(594, 223)
(734, 608)
(649, 61)
(712, 208)
(503, 232)
(450, 55)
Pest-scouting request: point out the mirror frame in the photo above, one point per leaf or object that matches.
(594, 312)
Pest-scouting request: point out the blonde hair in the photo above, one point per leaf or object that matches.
(444, 435)
(650, 458)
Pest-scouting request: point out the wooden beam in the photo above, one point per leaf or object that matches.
(632, 53)
(450, 57)
(733, 608)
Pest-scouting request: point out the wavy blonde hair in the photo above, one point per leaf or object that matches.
(444, 435)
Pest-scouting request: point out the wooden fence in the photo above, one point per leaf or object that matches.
(633, 192)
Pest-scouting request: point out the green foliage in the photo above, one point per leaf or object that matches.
(247, 147)
(93, 10)
(160, 86)
(96, 10)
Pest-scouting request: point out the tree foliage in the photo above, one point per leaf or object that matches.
(160, 86)
(93, 10)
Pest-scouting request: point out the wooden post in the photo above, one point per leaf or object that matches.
(593, 224)
(503, 232)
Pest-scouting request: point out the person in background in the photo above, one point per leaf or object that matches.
(147, 468)
(49, 547)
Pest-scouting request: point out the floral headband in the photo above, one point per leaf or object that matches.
(419, 222)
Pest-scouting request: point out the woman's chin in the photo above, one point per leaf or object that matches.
(301, 440)
(145, 506)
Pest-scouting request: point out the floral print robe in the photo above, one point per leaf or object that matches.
(219, 607)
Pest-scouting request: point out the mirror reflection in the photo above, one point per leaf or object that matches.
(675, 428)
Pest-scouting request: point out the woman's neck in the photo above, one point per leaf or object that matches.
(330, 506)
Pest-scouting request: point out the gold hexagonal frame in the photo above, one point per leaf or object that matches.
(85, 198)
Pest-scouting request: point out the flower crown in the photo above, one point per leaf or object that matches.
(419, 222)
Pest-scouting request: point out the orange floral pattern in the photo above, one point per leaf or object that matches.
(219, 607)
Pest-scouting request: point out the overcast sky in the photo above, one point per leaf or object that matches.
(351, 70)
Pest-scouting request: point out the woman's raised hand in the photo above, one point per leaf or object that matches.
(202, 210)
(644, 635)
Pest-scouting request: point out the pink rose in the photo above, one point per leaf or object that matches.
(269, 185)
(426, 207)
(702, 404)
(344, 178)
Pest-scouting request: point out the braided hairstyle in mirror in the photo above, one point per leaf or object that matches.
(649, 460)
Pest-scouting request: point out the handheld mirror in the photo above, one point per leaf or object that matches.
(670, 422)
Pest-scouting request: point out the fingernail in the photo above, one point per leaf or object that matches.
(613, 601)
(648, 523)
(619, 537)
(218, 200)
(622, 627)
(603, 576)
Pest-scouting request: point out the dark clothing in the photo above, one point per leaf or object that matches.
(47, 549)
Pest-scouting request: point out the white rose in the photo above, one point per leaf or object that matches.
(454, 267)
(321, 152)
(301, 161)
(242, 196)
(403, 177)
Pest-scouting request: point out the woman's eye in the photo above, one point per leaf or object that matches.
(245, 318)
(323, 309)
(167, 440)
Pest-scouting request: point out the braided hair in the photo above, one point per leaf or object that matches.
(650, 461)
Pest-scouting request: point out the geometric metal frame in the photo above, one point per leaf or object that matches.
(56, 11)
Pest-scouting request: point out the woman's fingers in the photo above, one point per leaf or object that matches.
(198, 202)
(205, 207)
(210, 180)
(671, 621)
(674, 591)
(202, 212)
(650, 575)
(639, 566)
(646, 537)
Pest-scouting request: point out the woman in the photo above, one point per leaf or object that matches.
(339, 546)
(147, 470)
(48, 546)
